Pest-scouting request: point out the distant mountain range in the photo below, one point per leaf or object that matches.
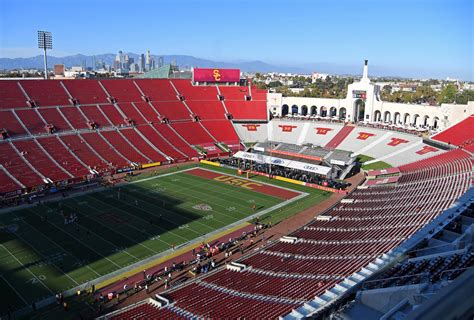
(108, 58)
(185, 61)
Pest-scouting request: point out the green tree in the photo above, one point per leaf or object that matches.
(448, 94)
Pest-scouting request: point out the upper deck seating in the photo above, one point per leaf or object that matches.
(173, 110)
(123, 90)
(11, 95)
(31, 120)
(131, 112)
(46, 93)
(94, 114)
(9, 122)
(247, 110)
(157, 89)
(207, 110)
(52, 116)
(234, 92)
(198, 93)
(86, 91)
(75, 117)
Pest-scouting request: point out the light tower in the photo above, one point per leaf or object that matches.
(45, 41)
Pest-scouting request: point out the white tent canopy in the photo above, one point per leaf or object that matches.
(261, 158)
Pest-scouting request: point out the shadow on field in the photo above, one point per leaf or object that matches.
(105, 225)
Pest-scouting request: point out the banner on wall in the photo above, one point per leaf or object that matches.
(261, 158)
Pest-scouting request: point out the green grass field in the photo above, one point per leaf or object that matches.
(362, 158)
(41, 256)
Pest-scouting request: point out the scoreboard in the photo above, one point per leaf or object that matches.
(216, 75)
(359, 94)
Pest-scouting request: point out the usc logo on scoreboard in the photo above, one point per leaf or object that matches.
(396, 142)
(238, 182)
(365, 135)
(322, 131)
(216, 74)
(287, 128)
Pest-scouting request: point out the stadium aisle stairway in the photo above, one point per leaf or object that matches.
(341, 135)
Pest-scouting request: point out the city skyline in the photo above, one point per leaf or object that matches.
(405, 38)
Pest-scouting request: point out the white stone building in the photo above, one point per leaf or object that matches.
(363, 104)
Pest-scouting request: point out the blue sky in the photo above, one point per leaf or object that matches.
(403, 37)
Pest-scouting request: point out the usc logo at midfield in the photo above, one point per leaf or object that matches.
(216, 74)
(238, 182)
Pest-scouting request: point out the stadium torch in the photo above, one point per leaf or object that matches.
(45, 41)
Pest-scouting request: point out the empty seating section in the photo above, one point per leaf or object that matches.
(173, 110)
(52, 116)
(46, 93)
(190, 92)
(7, 184)
(222, 130)
(74, 117)
(459, 134)
(146, 102)
(142, 145)
(327, 251)
(157, 89)
(270, 285)
(131, 112)
(93, 114)
(147, 111)
(11, 95)
(86, 91)
(234, 92)
(37, 157)
(31, 120)
(62, 156)
(112, 114)
(122, 90)
(259, 94)
(15, 165)
(206, 302)
(75, 144)
(247, 110)
(152, 136)
(175, 140)
(122, 146)
(9, 122)
(207, 110)
(192, 132)
(147, 311)
(104, 150)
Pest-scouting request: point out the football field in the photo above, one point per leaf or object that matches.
(59, 245)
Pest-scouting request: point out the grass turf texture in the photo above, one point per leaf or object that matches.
(376, 166)
(42, 258)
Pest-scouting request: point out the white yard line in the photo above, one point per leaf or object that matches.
(42, 255)
(28, 269)
(84, 244)
(61, 248)
(14, 290)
